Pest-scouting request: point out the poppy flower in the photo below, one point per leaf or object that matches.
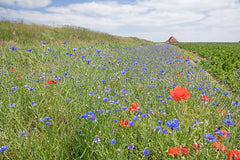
(55, 81)
(238, 124)
(179, 93)
(174, 151)
(205, 99)
(134, 107)
(18, 75)
(188, 58)
(233, 154)
(196, 146)
(13, 70)
(48, 82)
(179, 56)
(184, 150)
(223, 112)
(219, 146)
(124, 124)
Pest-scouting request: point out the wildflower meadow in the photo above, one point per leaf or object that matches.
(98, 102)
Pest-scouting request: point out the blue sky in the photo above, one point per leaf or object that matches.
(155, 20)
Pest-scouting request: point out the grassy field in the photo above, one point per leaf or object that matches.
(121, 99)
(221, 59)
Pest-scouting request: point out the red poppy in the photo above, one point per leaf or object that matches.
(223, 112)
(48, 82)
(219, 146)
(134, 107)
(124, 124)
(233, 154)
(184, 150)
(179, 93)
(174, 151)
(196, 146)
(13, 70)
(177, 150)
(18, 75)
(188, 58)
(179, 56)
(238, 124)
(205, 99)
(55, 81)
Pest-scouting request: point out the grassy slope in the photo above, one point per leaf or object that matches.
(23, 34)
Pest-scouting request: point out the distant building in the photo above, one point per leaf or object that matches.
(172, 40)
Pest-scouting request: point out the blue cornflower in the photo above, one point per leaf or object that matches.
(13, 48)
(124, 71)
(138, 111)
(14, 88)
(64, 42)
(116, 110)
(130, 147)
(115, 121)
(135, 118)
(225, 93)
(228, 121)
(210, 137)
(145, 152)
(96, 140)
(30, 50)
(162, 71)
(229, 115)
(163, 131)
(158, 127)
(30, 89)
(3, 148)
(47, 118)
(105, 99)
(12, 105)
(159, 122)
(88, 61)
(144, 115)
(48, 123)
(150, 111)
(79, 132)
(91, 93)
(124, 108)
(173, 124)
(83, 116)
(94, 117)
(131, 123)
(101, 111)
(103, 81)
(91, 112)
(113, 141)
(23, 133)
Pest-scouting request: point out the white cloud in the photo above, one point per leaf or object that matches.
(26, 3)
(197, 20)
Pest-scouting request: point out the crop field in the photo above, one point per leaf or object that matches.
(105, 101)
(221, 59)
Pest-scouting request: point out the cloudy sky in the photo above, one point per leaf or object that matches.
(155, 20)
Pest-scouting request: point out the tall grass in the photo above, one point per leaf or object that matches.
(24, 34)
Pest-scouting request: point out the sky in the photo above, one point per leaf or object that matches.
(155, 20)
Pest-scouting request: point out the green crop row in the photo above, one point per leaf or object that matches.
(222, 60)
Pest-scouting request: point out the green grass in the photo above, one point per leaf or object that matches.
(70, 98)
(221, 59)
(20, 34)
